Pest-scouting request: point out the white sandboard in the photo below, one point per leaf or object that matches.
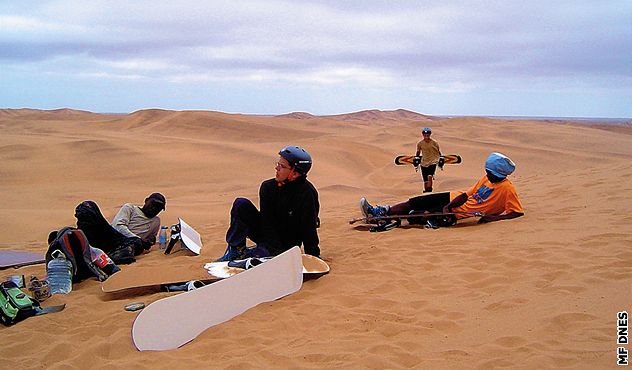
(174, 321)
(190, 238)
(312, 267)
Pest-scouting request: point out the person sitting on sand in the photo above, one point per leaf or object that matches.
(493, 195)
(121, 246)
(288, 214)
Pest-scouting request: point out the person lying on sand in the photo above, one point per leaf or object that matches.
(493, 196)
(288, 214)
(141, 222)
(132, 231)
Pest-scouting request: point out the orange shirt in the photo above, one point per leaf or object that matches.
(491, 198)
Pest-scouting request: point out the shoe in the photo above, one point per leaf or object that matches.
(257, 251)
(431, 224)
(232, 253)
(247, 263)
(364, 207)
(372, 211)
(194, 284)
(122, 255)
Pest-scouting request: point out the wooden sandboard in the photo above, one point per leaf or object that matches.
(139, 277)
(408, 159)
(174, 321)
(19, 258)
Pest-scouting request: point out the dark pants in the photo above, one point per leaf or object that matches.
(246, 222)
(427, 174)
(120, 248)
(430, 202)
(428, 171)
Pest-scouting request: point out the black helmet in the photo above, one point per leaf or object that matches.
(298, 158)
(426, 130)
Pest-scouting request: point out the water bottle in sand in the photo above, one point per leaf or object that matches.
(59, 271)
(162, 238)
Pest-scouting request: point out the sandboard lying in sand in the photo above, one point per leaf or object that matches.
(312, 267)
(19, 258)
(138, 277)
(174, 321)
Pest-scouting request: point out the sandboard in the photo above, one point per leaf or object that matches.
(408, 159)
(174, 321)
(312, 267)
(372, 219)
(186, 236)
(137, 277)
(19, 258)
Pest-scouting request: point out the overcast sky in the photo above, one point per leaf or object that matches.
(447, 57)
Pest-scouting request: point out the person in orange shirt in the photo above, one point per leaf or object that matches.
(493, 196)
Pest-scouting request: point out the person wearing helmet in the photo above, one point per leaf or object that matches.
(493, 196)
(287, 214)
(430, 158)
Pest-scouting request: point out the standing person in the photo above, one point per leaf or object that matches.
(141, 222)
(288, 214)
(430, 157)
(493, 195)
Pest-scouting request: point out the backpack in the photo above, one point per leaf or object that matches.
(76, 248)
(15, 305)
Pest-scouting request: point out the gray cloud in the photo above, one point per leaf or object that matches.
(410, 44)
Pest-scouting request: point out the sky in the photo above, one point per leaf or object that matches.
(446, 57)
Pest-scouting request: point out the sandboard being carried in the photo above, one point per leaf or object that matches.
(174, 321)
(408, 159)
(139, 278)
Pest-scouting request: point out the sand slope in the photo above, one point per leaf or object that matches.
(541, 291)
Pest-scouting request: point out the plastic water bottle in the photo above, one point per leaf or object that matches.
(59, 271)
(162, 238)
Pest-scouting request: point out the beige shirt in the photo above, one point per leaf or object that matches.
(430, 152)
(131, 221)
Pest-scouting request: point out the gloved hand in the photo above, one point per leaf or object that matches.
(416, 160)
(441, 162)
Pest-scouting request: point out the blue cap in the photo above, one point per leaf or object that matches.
(499, 165)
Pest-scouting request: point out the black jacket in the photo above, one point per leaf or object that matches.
(290, 212)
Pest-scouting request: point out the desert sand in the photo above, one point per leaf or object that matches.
(540, 291)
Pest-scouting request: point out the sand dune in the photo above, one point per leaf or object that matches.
(541, 291)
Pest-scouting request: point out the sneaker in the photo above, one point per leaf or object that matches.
(431, 224)
(247, 263)
(364, 207)
(257, 251)
(232, 253)
(372, 211)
